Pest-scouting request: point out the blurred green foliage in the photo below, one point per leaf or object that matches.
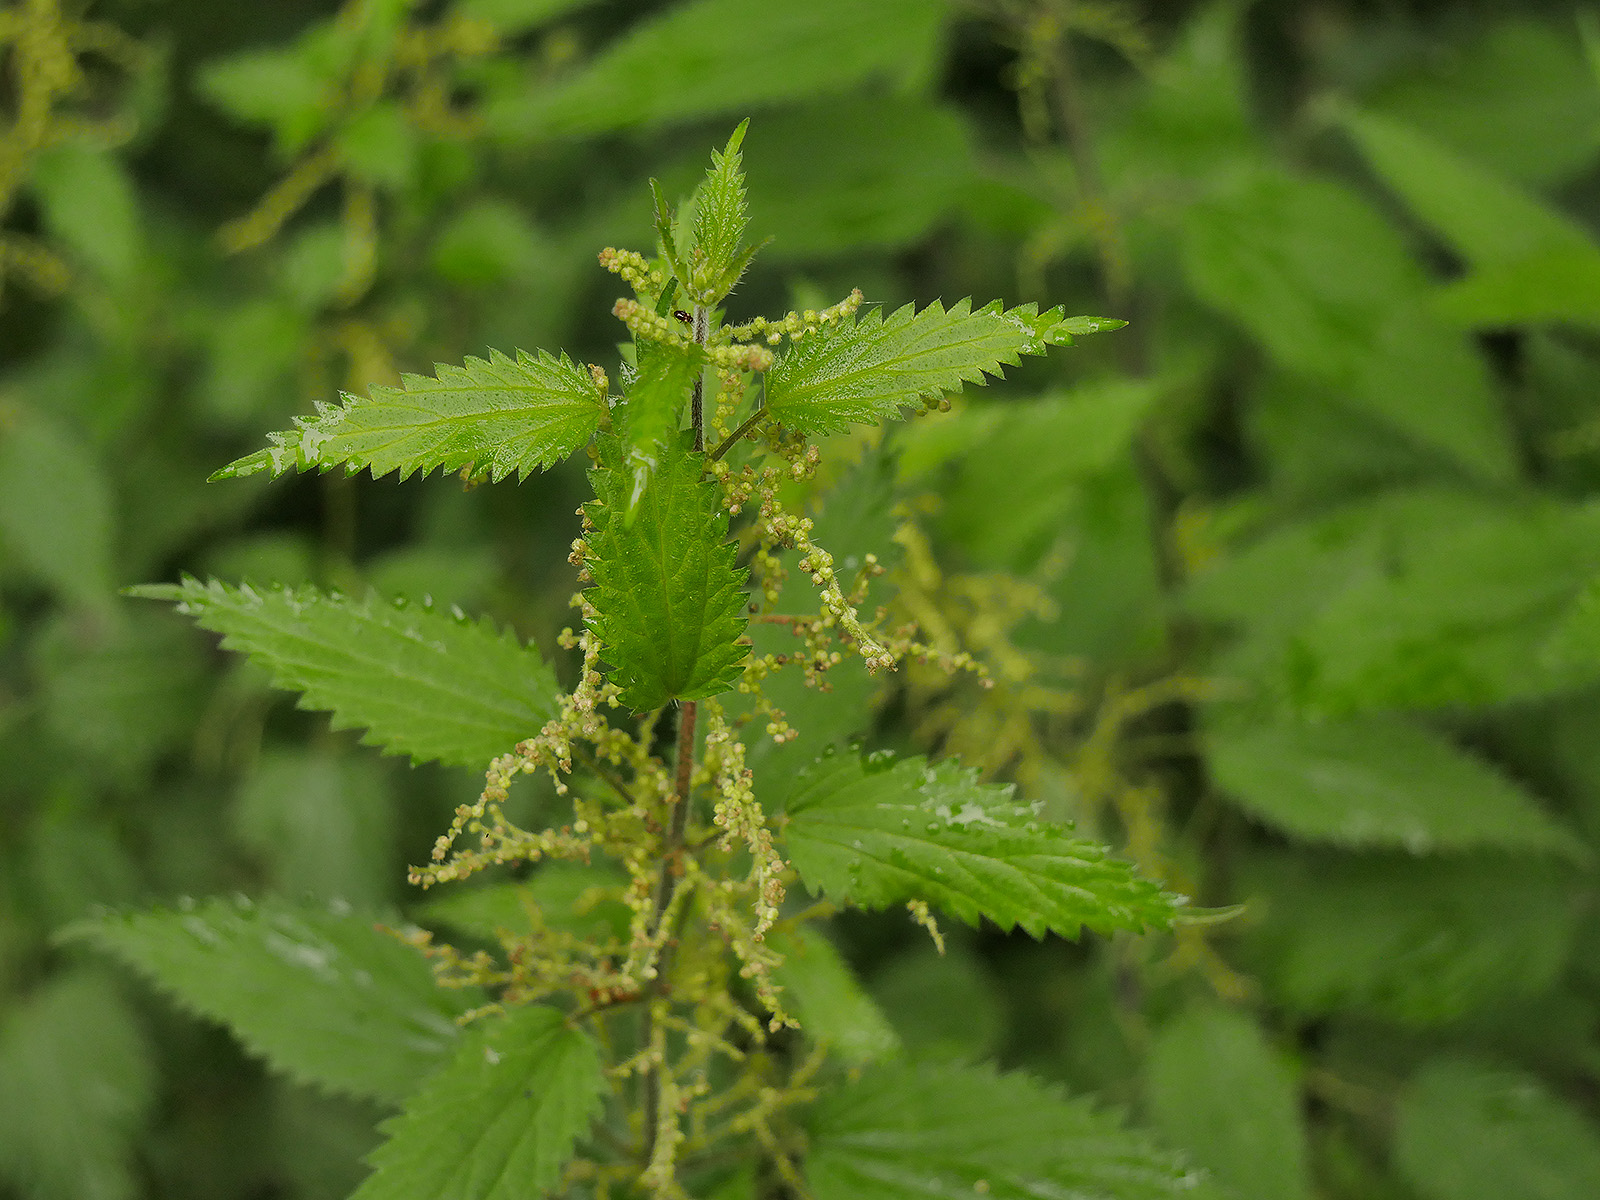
(1292, 588)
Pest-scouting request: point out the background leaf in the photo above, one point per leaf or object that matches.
(77, 1082)
(1378, 782)
(1470, 1131)
(318, 991)
(1217, 1088)
(907, 1132)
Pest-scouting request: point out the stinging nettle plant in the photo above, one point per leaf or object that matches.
(659, 1014)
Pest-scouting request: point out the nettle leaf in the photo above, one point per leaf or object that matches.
(714, 56)
(1418, 941)
(318, 991)
(668, 600)
(1256, 1142)
(903, 1132)
(873, 832)
(822, 992)
(1483, 216)
(77, 1084)
(666, 373)
(421, 683)
(721, 215)
(867, 370)
(499, 415)
(500, 1121)
(1468, 1130)
(1378, 781)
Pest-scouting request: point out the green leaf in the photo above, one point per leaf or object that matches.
(1253, 1143)
(76, 1086)
(836, 176)
(718, 56)
(1470, 1131)
(1327, 287)
(1484, 218)
(1417, 941)
(89, 202)
(824, 995)
(1022, 465)
(498, 415)
(123, 695)
(577, 898)
(1464, 613)
(318, 991)
(721, 215)
(500, 1121)
(322, 823)
(668, 600)
(654, 403)
(55, 508)
(973, 1012)
(280, 87)
(1518, 98)
(1550, 286)
(866, 370)
(1378, 782)
(932, 1132)
(421, 683)
(874, 832)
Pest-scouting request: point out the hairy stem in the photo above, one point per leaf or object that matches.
(672, 847)
(728, 442)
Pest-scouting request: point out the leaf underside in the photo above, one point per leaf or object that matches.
(867, 370)
(316, 990)
(419, 682)
(499, 1121)
(499, 415)
(874, 832)
(668, 600)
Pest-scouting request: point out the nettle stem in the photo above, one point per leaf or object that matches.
(655, 1079)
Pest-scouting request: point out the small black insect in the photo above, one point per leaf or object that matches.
(683, 316)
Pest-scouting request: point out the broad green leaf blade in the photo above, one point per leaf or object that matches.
(721, 215)
(56, 509)
(1485, 218)
(933, 1132)
(498, 415)
(832, 177)
(867, 370)
(585, 900)
(500, 1121)
(727, 56)
(654, 402)
(873, 832)
(824, 995)
(1325, 283)
(1378, 781)
(668, 600)
(318, 991)
(419, 682)
(1415, 941)
(76, 1085)
(1540, 288)
(1254, 1143)
(1470, 1131)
